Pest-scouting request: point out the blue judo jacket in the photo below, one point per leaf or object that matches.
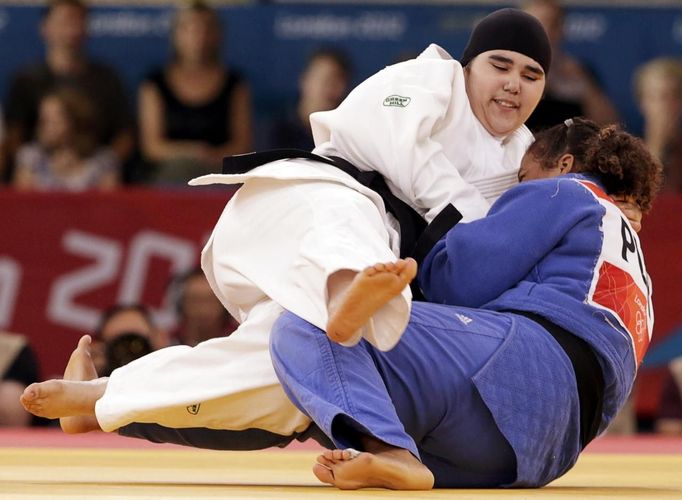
(562, 249)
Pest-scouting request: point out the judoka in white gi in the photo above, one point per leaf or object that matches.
(438, 132)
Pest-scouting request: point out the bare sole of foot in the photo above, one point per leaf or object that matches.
(369, 291)
(63, 398)
(351, 470)
(81, 368)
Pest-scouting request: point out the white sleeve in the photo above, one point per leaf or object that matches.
(390, 123)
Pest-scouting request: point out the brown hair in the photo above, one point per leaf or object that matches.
(620, 161)
(53, 4)
(80, 113)
(337, 56)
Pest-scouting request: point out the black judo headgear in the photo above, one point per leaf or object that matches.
(510, 29)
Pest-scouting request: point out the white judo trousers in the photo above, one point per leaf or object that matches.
(274, 247)
(294, 223)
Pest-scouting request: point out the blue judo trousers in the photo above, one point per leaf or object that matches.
(428, 394)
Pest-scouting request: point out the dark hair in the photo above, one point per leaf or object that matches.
(621, 162)
(53, 4)
(339, 57)
(555, 141)
(117, 309)
(80, 113)
(509, 29)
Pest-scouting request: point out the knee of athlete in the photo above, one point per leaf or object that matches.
(291, 338)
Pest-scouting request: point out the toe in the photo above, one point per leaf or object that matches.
(323, 474)
(30, 393)
(24, 402)
(350, 453)
(410, 270)
(326, 459)
(370, 271)
(84, 342)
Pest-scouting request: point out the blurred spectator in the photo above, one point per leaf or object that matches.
(125, 332)
(625, 422)
(195, 110)
(571, 89)
(18, 369)
(66, 154)
(669, 419)
(63, 28)
(201, 316)
(322, 86)
(658, 88)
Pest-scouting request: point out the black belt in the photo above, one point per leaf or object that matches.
(412, 225)
(588, 375)
(416, 237)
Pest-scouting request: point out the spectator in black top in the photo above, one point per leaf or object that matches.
(323, 84)
(195, 110)
(63, 29)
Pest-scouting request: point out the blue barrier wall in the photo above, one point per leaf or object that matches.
(269, 43)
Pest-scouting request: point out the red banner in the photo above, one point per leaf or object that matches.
(661, 238)
(66, 257)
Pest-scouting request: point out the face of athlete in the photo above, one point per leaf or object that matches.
(504, 87)
(531, 169)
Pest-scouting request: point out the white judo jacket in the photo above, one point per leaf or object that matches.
(411, 122)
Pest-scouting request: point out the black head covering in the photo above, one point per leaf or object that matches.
(510, 29)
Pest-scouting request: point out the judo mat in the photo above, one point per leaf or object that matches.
(48, 464)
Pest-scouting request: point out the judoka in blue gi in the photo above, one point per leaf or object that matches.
(552, 317)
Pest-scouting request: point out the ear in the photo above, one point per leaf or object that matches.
(566, 163)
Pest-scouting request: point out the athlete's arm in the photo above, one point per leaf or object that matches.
(475, 262)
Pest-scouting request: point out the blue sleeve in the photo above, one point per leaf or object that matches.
(477, 261)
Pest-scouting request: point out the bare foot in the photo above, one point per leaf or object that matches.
(395, 469)
(80, 367)
(369, 291)
(63, 398)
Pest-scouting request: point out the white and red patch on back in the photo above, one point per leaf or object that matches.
(620, 283)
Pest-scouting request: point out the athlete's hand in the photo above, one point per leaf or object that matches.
(630, 210)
